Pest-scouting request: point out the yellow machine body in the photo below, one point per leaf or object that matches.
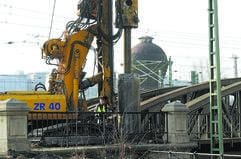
(63, 92)
(75, 57)
(71, 54)
(39, 101)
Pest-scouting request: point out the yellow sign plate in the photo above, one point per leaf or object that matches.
(40, 102)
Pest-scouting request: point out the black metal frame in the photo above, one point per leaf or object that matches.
(130, 127)
(198, 125)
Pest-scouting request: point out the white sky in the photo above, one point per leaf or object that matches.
(179, 27)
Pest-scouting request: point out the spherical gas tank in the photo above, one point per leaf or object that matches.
(150, 63)
(146, 50)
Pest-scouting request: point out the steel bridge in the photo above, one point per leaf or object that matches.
(196, 98)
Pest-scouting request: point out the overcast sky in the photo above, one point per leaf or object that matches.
(179, 27)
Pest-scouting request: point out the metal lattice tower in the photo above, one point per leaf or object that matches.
(170, 63)
(235, 65)
(216, 130)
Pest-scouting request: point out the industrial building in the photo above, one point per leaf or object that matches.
(21, 81)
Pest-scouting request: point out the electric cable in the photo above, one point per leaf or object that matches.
(52, 19)
(30, 10)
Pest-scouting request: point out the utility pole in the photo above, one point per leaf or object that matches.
(216, 124)
(127, 50)
(235, 65)
(170, 63)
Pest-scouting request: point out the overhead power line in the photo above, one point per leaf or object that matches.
(27, 25)
(4, 5)
(60, 21)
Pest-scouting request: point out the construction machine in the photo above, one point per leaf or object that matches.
(65, 84)
(68, 54)
(67, 81)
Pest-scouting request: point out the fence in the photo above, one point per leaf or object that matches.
(198, 126)
(97, 128)
(175, 155)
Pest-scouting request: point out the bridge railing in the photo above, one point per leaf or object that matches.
(198, 126)
(172, 154)
(105, 127)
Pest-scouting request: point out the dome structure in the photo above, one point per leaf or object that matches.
(146, 50)
(150, 63)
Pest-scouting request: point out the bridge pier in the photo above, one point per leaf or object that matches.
(177, 122)
(177, 127)
(13, 127)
